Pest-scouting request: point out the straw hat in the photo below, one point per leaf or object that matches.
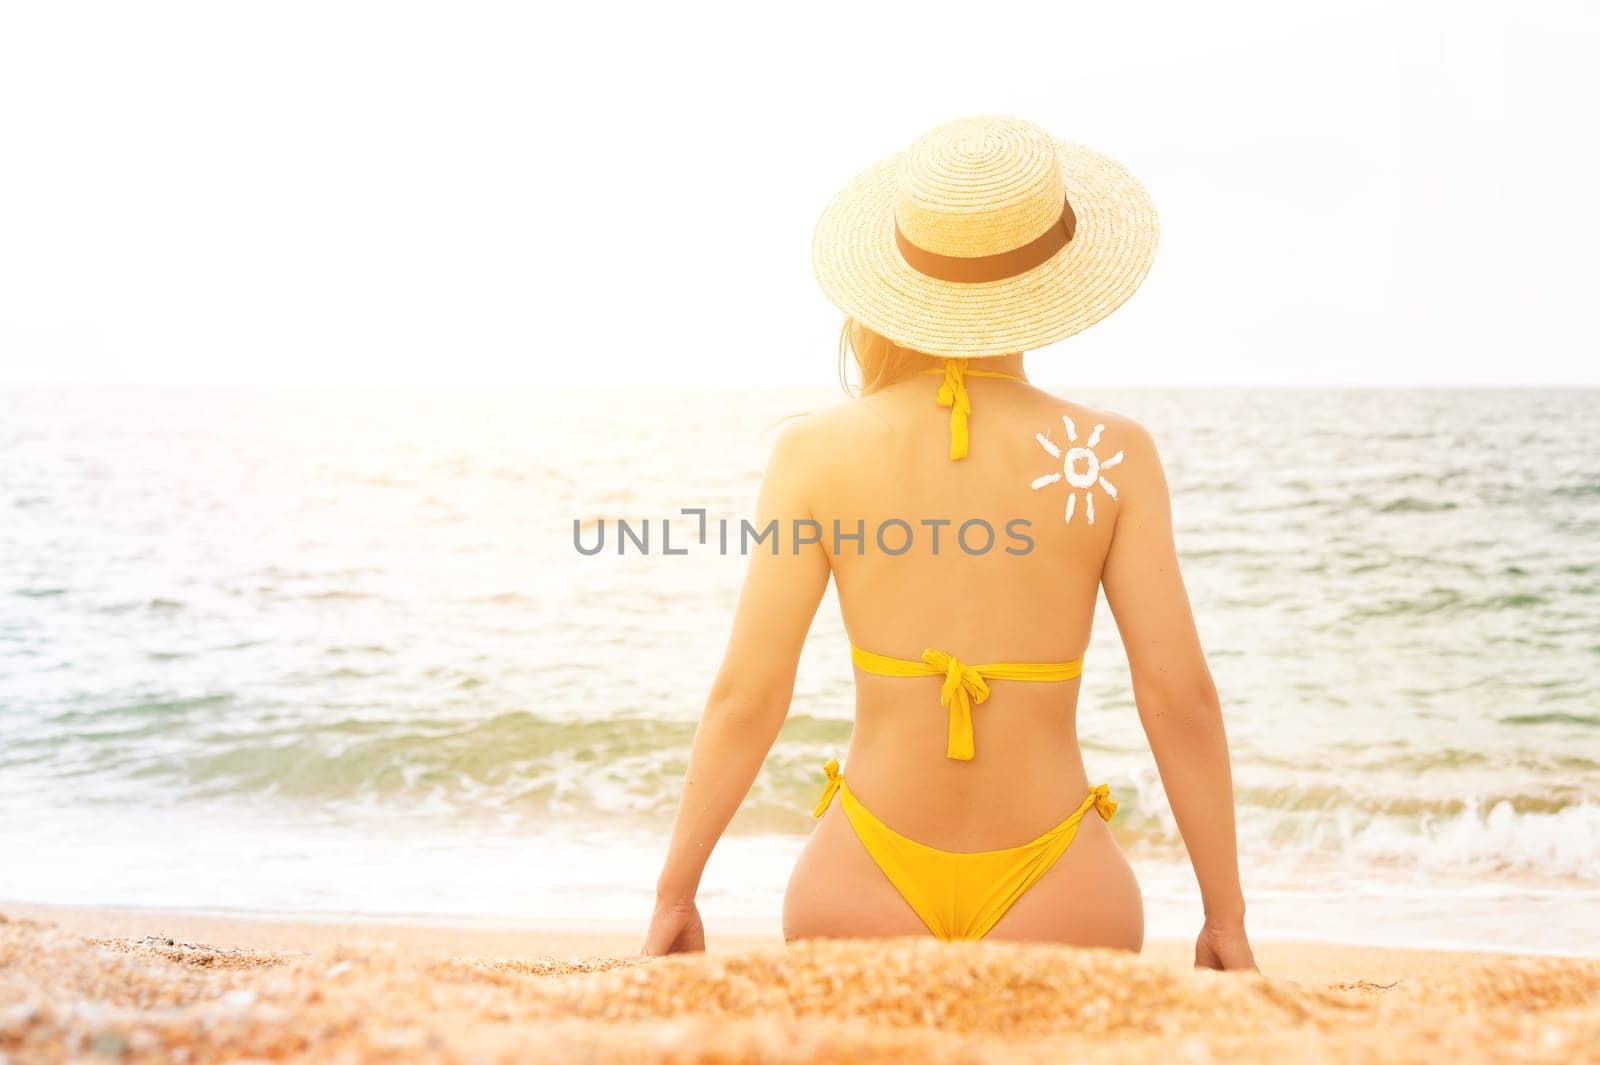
(986, 236)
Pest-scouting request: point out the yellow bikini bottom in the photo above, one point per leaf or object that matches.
(958, 894)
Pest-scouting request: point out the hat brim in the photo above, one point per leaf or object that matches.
(860, 269)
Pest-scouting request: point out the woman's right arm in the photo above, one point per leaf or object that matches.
(1176, 697)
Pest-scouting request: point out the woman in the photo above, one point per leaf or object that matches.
(967, 811)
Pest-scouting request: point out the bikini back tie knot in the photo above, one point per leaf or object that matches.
(953, 394)
(963, 684)
(962, 687)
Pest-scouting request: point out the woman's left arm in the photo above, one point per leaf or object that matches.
(750, 696)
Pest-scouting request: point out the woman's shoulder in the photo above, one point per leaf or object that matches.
(829, 428)
(1070, 419)
(1102, 452)
(802, 438)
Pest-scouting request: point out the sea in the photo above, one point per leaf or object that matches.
(336, 653)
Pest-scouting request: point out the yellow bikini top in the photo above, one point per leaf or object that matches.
(963, 684)
(953, 394)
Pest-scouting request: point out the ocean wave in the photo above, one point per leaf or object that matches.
(1448, 600)
(154, 605)
(1581, 490)
(1416, 505)
(136, 709)
(38, 593)
(1589, 720)
(519, 771)
(513, 759)
(1488, 838)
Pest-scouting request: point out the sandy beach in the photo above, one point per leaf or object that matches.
(152, 986)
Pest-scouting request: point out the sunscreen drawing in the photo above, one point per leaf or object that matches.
(1081, 468)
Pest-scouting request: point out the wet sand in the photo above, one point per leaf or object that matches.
(152, 986)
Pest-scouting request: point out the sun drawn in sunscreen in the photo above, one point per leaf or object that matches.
(1081, 468)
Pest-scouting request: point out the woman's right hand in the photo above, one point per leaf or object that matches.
(1224, 946)
(675, 928)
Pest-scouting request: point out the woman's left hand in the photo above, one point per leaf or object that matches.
(675, 928)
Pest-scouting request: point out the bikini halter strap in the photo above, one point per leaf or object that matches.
(953, 394)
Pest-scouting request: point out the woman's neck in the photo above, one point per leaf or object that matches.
(1007, 364)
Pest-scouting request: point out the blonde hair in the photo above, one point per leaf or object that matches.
(879, 360)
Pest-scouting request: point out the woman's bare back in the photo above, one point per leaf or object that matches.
(972, 558)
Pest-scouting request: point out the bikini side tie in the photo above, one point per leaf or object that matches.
(832, 769)
(1103, 802)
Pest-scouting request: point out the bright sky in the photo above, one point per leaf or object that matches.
(1363, 192)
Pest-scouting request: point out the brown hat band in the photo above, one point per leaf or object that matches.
(995, 267)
